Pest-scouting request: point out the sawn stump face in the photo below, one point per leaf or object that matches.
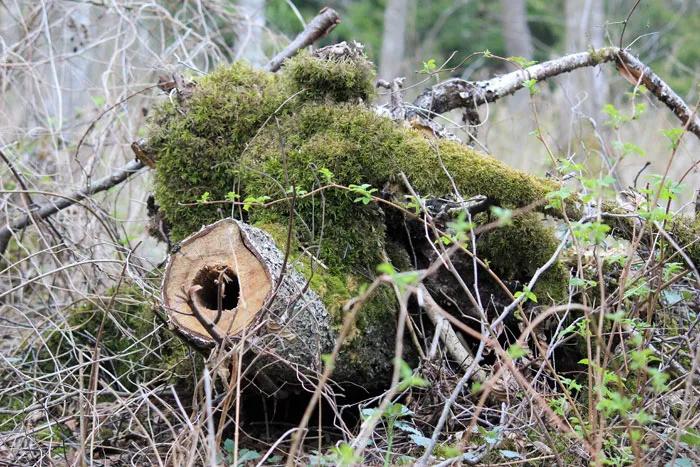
(216, 259)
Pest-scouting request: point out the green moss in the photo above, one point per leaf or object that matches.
(686, 232)
(218, 141)
(373, 322)
(338, 79)
(359, 146)
(197, 143)
(473, 173)
(516, 251)
(14, 402)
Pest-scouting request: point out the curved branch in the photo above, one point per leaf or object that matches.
(458, 93)
(319, 27)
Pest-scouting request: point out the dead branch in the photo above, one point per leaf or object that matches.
(119, 175)
(458, 93)
(326, 20)
(456, 350)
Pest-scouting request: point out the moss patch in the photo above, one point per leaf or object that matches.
(365, 348)
(255, 134)
(686, 232)
(335, 78)
(198, 142)
(516, 251)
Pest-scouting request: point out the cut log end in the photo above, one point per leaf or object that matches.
(215, 285)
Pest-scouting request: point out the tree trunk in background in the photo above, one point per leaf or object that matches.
(585, 21)
(518, 42)
(250, 32)
(393, 39)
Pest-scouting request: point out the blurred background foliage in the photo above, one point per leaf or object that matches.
(664, 32)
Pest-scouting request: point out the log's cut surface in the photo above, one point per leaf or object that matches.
(225, 278)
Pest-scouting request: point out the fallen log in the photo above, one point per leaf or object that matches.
(230, 282)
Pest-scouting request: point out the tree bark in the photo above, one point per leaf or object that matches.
(393, 39)
(585, 27)
(250, 32)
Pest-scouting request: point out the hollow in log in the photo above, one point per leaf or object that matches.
(230, 277)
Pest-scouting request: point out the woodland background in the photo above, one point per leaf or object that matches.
(65, 63)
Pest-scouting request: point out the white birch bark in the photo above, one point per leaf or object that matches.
(393, 39)
(251, 32)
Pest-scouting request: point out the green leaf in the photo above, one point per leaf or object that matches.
(326, 174)
(460, 227)
(403, 426)
(420, 440)
(674, 135)
(345, 455)
(530, 84)
(386, 268)
(510, 454)
(327, 360)
(408, 379)
(504, 216)
(365, 190)
(515, 351)
(428, 66)
(680, 462)
(229, 446)
(245, 455)
(691, 437)
(522, 61)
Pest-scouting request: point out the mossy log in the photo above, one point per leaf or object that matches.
(244, 139)
(230, 282)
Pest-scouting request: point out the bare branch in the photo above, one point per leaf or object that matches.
(47, 210)
(319, 27)
(458, 93)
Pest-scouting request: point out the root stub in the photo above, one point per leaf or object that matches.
(231, 283)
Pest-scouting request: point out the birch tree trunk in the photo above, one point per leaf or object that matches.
(585, 27)
(518, 41)
(250, 32)
(393, 39)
